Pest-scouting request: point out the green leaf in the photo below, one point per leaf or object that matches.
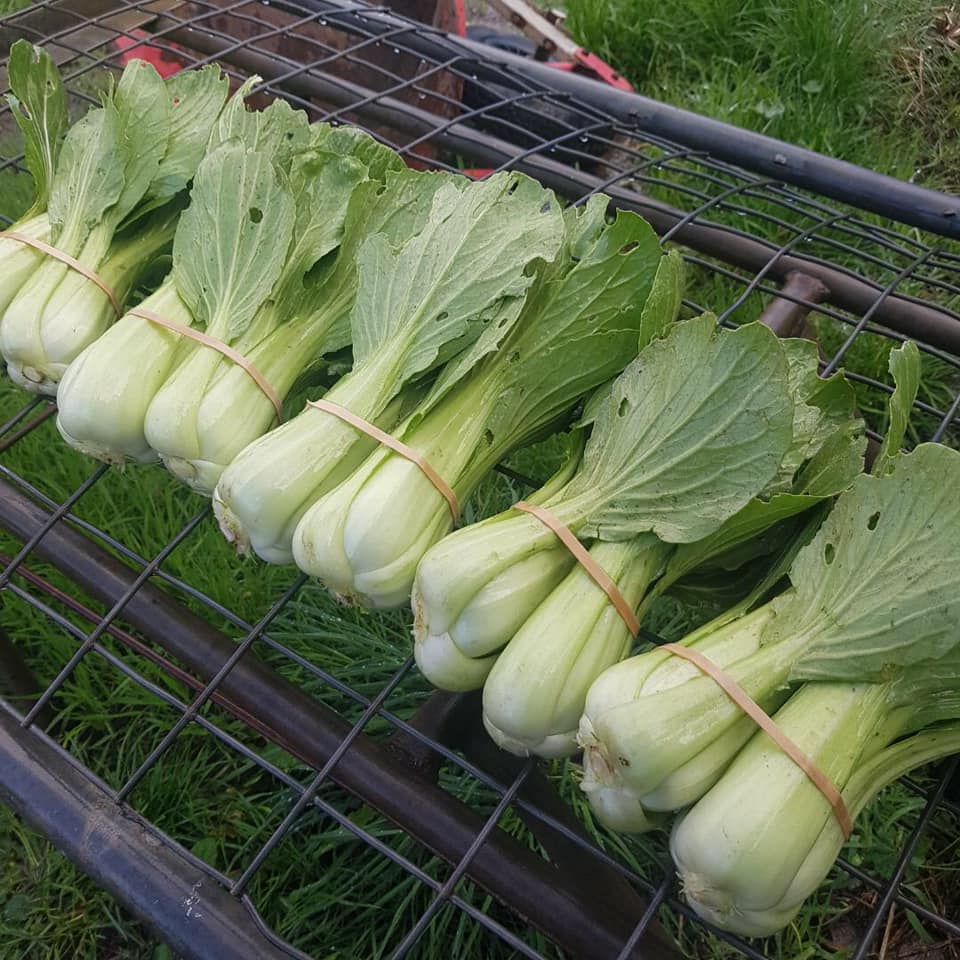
(233, 238)
(879, 585)
(350, 141)
(88, 180)
(235, 121)
(196, 98)
(144, 114)
(663, 302)
(321, 185)
(279, 130)
(564, 302)
(38, 103)
(432, 297)
(578, 330)
(822, 407)
(692, 431)
(824, 458)
(398, 210)
(905, 368)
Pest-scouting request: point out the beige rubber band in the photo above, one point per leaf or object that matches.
(766, 723)
(599, 576)
(71, 262)
(396, 445)
(241, 361)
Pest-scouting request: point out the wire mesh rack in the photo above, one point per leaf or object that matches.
(475, 853)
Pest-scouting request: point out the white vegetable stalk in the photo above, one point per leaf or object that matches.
(534, 696)
(233, 411)
(656, 732)
(104, 395)
(264, 492)
(18, 260)
(58, 311)
(360, 541)
(761, 840)
(462, 651)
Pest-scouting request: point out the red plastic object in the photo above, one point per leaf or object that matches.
(163, 60)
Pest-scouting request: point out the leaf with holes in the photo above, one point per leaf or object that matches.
(879, 585)
(38, 103)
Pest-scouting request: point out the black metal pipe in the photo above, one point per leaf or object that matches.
(532, 888)
(846, 289)
(193, 914)
(888, 196)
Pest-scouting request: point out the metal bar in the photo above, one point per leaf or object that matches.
(893, 884)
(534, 889)
(848, 290)
(195, 916)
(937, 212)
(786, 315)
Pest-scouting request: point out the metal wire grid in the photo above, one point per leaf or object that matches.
(585, 151)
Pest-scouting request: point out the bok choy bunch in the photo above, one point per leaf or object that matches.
(418, 304)
(228, 251)
(688, 434)
(182, 400)
(885, 565)
(870, 593)
(119, 179)
(779, 836)
(38, 104)
(580, 325)
(575, 633)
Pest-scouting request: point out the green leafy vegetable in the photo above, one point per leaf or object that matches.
(579, 325)
(417, 306)
(658, 468)
(875, 591)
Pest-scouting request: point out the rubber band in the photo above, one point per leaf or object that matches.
(599, 576)
(766, 723)
(71, 262)
(238, 358)
(364, 426)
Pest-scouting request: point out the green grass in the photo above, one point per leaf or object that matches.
(870, 81)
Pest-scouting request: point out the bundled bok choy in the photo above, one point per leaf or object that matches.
(209, 409)
(764, 837)
(534, 695)
(660, 467)
(874, 591)
(469, 266)
(115, 192)
(38, 103)
(228, 251)
(580, 325)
